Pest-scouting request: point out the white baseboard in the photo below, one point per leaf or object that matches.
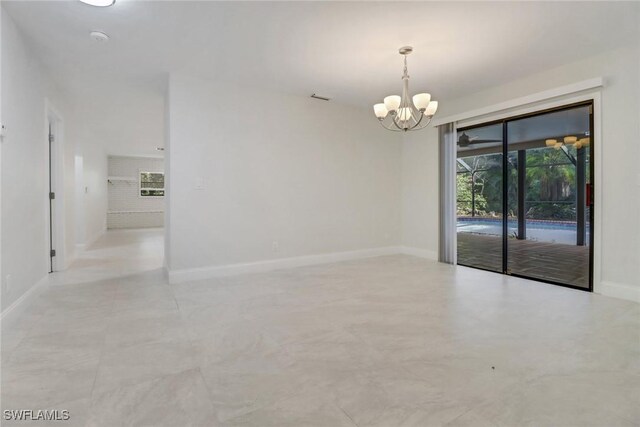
(177, 276)
(419, 252)
(25, 299)
(619, 290)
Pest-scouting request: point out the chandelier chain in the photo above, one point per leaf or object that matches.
(405, 74)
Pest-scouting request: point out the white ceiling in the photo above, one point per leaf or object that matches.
(347, 51)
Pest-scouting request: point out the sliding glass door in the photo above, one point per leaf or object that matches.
(523, 196)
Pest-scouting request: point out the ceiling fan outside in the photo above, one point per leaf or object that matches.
(464, 140)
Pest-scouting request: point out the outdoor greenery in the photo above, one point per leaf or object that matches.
(152, 184)
(550, 192)
(464, 186)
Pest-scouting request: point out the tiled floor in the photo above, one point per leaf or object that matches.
(388, 341)
(558, 262)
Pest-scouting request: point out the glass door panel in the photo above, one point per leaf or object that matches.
(479, 197)
(548, 162)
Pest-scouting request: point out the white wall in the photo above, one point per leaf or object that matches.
(315, 177)
(620, 144)
(2, 283)
(94, 160)
(80, 226)
(127, 209)
(420, 202)
(124, 120)
(25, 179)
(167, 177)
(66, 175)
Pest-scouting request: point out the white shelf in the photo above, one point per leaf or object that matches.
(131, 212)
(121, 178)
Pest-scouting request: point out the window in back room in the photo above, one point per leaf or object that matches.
(151, 184)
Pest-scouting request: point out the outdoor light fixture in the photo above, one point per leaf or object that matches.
(568, 140)
(99, 3)
(403, 113)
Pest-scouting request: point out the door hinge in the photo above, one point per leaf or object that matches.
(53, 253)
(51, 137)
(52, 195)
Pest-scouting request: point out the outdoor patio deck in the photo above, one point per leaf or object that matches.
(567, 264)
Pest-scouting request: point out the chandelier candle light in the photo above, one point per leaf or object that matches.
(403, 113)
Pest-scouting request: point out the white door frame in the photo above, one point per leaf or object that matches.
(57, 173)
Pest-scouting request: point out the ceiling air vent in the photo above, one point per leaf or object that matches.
(322, 98)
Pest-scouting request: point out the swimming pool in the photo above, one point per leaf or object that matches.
(545, 231)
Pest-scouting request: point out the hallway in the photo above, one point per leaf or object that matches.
(326, 345)
(52, 350)
(117, 253)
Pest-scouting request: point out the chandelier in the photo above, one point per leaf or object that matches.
(402, 113)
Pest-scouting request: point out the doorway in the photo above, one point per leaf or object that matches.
(55, 208)
(525, 196)
(52, 196)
